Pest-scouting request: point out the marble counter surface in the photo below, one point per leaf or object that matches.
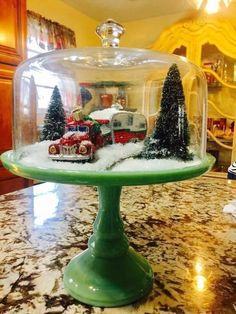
(179, 227)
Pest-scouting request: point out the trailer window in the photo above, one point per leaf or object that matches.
(116, 123)
(130, 120)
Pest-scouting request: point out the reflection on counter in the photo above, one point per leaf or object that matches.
(200, 280)
(45, 202)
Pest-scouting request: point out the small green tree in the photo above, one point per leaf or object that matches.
(170, 138)
(55, 118)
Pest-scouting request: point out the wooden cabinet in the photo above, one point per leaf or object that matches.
(210, 43)
(12, 52)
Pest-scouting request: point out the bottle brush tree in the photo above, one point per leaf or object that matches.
(170, 137)
(55, 118)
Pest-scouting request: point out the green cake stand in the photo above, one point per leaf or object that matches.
(109, 273)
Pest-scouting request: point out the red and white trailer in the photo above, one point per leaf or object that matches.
(123, 126)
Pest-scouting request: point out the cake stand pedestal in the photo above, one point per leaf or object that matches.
(109, 273)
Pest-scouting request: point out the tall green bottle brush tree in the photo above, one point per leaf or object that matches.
(170, 137)
(55, 118)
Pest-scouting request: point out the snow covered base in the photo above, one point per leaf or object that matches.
(116, 157)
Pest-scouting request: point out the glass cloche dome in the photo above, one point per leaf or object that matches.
(109, 109)
(108, 117)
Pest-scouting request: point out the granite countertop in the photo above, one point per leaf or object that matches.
(179, 227)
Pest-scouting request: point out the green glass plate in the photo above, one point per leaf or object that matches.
(120, 178)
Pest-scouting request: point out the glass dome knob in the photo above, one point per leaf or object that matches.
(110, 32)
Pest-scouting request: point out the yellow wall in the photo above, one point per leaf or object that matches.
(143, 33)
(56, 10)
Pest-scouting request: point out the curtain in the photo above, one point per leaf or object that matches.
(47, 34)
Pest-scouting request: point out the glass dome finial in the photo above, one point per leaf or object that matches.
(110, 32)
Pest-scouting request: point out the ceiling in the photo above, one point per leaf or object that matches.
(129, 10)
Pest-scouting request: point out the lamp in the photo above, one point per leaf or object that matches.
(212, 6)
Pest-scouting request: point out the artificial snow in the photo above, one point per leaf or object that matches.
(105, 114)
(116, 157)
(153, 164)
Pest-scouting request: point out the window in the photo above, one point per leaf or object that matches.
(116, 124)
(83, 129)
(45, 35)
(130, 120)
(33, 49)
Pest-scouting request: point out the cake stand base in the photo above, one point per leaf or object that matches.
(108, 282)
